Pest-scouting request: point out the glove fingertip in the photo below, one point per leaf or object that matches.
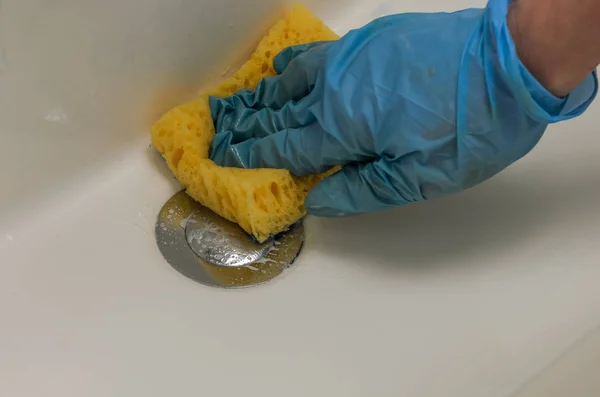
(215, 105)
(218, 147)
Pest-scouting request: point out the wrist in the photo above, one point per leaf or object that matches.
(547, 43)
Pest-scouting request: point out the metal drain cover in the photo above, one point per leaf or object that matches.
(214, 251)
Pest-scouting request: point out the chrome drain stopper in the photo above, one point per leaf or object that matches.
(214, 251)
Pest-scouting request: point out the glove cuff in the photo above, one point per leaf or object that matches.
(539, 104)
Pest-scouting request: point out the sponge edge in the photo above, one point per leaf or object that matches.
(264, 202)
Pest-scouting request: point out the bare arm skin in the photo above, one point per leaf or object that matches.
(557, 40)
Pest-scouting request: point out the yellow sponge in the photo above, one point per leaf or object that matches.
(263, 202)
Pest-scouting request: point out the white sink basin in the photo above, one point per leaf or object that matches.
(473, 295)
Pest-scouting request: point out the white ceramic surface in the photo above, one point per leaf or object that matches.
(479, 294)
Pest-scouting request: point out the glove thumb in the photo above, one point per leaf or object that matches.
(356, 189)
(287, 55)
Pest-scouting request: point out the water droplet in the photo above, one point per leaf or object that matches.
(209, 236)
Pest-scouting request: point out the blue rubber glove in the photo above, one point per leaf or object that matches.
(415, 106)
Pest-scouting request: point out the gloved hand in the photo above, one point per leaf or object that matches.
(415, 106)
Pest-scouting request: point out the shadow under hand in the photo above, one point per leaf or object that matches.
(501, 214)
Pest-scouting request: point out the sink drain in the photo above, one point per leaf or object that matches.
(216, 252)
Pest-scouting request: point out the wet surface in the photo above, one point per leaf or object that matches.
(214, 251)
